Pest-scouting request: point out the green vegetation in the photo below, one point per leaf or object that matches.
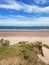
(23, 53)
(4, 43)
(26, 57)
(47, 46)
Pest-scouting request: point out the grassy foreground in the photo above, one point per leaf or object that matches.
(23, 53)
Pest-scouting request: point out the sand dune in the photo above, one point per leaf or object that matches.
(15, 37)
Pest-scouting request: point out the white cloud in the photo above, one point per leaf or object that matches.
(12, 4)
(20, 16)
(36, 9)
(25, 7)
(40, 1)
(41, 21)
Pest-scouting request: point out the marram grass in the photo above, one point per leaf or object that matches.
(23, 53)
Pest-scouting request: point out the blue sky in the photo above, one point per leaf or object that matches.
(24, 12)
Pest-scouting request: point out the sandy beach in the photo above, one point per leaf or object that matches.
(25, 33)
(15, 37)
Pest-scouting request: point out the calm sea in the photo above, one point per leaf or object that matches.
(24, 28)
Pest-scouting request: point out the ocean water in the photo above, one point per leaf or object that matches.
(24, 28)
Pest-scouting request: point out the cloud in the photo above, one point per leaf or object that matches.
(35, 9)
(40, 1)
(40, 21)
(20, 16)
(11, 5)
(17, 17)
(24, 7)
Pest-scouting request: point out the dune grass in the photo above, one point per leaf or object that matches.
(45, 45)
(23, 53)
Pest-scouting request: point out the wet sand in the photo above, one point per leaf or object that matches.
(25, 33)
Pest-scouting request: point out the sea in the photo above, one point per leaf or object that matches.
(24, 28)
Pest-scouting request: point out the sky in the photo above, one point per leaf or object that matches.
(24, 12)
